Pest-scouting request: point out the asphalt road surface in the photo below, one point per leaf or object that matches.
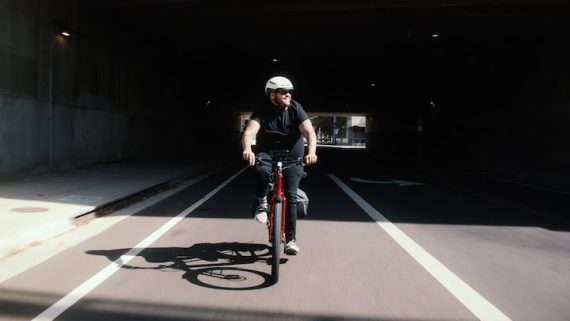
(374, 247)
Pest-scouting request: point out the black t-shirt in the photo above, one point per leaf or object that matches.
(280, 129)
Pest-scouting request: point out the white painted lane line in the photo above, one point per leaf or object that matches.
(477, 304)
(72, 297)
(525, 185)
(388, 182)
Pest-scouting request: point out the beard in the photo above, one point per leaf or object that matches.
(280, 104)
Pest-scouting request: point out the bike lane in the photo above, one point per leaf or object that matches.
(516, 261)
(210, 266)
(26, 295)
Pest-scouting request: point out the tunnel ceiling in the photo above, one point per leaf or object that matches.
(342, 55)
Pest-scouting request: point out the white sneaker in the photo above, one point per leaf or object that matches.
(291, 248)
(261, 210)
(261, 217)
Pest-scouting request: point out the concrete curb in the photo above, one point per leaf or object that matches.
(30, 235)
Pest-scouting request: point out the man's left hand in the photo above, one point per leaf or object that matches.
(310, 159)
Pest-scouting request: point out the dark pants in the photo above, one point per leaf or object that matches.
(291, 178)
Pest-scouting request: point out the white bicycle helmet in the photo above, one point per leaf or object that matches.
(278, 82)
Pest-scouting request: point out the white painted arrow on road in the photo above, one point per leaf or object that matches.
(392, 181)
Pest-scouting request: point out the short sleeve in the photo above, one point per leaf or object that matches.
(301, 115)
(257, 117)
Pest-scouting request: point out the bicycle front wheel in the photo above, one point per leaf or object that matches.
(276, 241)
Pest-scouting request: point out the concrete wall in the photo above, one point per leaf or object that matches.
(64, 102)
(23, 139)
(21, 129)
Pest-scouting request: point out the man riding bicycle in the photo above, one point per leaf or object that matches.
(281, 125)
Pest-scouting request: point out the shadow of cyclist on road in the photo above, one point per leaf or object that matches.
(212, 265)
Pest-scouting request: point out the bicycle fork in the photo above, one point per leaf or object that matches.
(278, 197)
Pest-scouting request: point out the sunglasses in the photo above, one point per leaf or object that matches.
(284, 91)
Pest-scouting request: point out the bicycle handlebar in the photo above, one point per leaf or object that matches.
(285, 163)
(292, 163)
(280, 156)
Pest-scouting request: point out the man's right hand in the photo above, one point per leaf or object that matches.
(249, 156)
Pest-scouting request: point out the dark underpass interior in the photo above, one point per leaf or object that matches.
(461, 84)
(447, 84)
(469, 96)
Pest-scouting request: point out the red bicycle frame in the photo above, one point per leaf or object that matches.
(278, 196)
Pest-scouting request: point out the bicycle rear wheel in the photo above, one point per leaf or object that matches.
(276, 241)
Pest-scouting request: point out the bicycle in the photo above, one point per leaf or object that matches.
(277, 206)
